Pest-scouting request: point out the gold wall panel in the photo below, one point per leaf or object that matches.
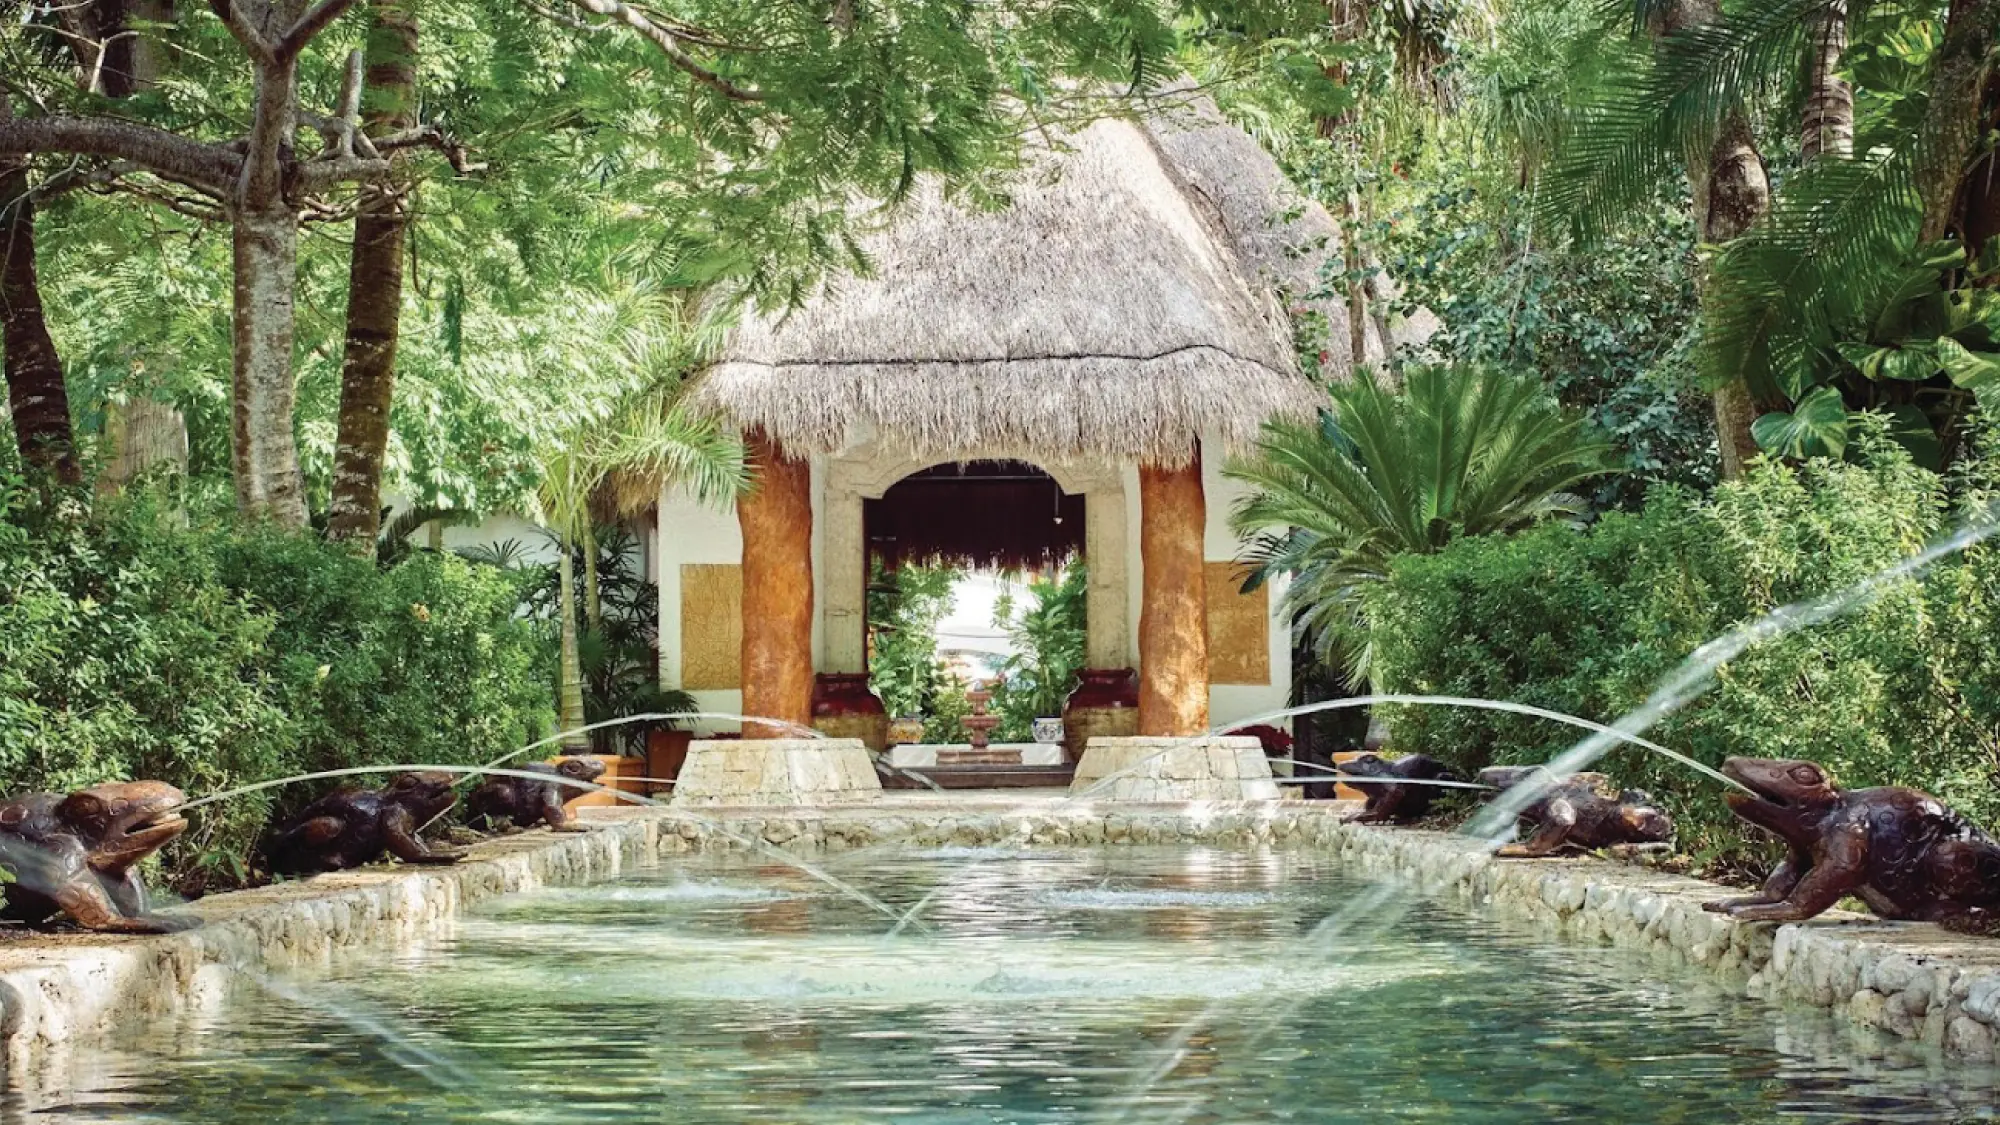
(711, 626)
(1239, 628)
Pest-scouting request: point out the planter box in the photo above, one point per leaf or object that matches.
(666, 753)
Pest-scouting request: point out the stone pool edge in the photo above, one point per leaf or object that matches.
(54, 994)
(1914, 981)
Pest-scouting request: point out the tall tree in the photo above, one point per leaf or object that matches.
(115, 59)
(1827, 124)
(1951, 121)
(257, 183)
(1731, 192)
(375, 283)
(36, 395)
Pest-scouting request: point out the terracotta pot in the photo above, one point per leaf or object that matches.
(909, 728)
(844, 706)
(666, 751)
(619, 773)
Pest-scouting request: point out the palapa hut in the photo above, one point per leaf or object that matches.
(1067, 372)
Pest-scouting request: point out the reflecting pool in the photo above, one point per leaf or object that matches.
(1035, 986)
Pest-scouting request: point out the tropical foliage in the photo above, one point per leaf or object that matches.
(133, 645)
(1047, 635)
(1901, 690)
(905, 606)
(1386, 471)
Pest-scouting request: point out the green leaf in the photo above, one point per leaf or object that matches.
(1977, 372)
(1911, 363)
(1911, 428)
(1817, 427)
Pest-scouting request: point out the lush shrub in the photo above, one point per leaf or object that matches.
(1901, 689)
(132, 646)
(425, 662)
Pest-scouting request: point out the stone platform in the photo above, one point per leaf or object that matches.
(1228, 768)
(776, 771)
(921, 755)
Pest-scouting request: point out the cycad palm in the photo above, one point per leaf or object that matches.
(649, 442)
(1455, 452)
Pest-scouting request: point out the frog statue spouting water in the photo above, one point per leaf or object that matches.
(1583, 811)
(1899, 850)
(525, 803)
(1389, 803)
(78, 854)
(352, 827)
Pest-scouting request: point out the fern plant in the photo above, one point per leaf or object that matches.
(1458, 451)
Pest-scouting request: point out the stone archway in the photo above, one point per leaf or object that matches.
(867, 474)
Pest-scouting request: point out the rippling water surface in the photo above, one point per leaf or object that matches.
(1049, 986)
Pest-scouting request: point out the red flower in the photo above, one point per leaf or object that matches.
(1276, 742)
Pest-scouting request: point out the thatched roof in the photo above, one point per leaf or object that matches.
(1125, 303)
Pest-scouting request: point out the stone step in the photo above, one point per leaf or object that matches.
(984, 777)
(987, 757)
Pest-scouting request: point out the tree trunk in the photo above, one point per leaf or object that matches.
(265, 236)
(1357, 296)
(775, 520)
(593, 599)
(35, 392)
(1951, 121)
(1734, 195)
(1731, 192)
(266, 454)
(374, 286)
(571, 695)
(1827, 126)
(1173, 614)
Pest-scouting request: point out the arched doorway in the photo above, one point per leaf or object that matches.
(1006, 515)
(976, 619)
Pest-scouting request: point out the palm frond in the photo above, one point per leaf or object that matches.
(1663, 108)
(1837, 232)
(1457, 451)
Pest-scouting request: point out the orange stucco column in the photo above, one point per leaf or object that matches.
(776, 521)
(1173, 612)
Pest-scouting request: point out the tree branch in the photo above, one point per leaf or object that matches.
(340, 135)
(669, 45)
(310, 25)
(244, 32)
(321, 175)
(209, 168)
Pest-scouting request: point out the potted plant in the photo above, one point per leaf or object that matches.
(1048, 639)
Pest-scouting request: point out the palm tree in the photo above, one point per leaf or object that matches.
(1798, 297)
(646, 443)
(1457, 451)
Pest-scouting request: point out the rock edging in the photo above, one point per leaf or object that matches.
(1911, 979)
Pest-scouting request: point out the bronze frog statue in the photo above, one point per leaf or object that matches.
(525, 803)
(78, 855)
(1583, 811)
(351, 827)
(1389, 803)
(1899, 850)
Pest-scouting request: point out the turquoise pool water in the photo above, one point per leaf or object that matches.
(1149, 986)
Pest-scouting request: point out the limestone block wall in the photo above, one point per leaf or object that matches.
(776, 771)
(1174, 769)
